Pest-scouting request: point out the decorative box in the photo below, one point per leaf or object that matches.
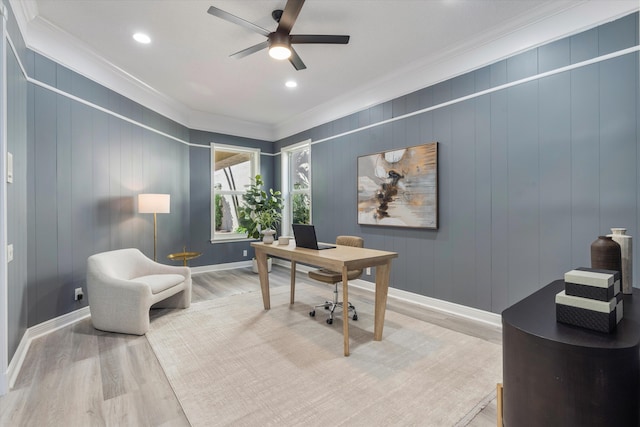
(602, 316)
(592, 283)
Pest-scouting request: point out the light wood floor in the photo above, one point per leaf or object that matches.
(79, 376)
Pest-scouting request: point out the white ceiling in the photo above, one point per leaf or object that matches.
(396, 46)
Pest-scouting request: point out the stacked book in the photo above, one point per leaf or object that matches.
(591, 299)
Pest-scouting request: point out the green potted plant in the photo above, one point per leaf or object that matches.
(260, 210)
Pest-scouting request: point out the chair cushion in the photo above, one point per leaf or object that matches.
(160, 282)
(328, 276)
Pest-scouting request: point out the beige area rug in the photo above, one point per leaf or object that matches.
(232, 363)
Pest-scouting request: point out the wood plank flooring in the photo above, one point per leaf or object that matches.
(79, 376)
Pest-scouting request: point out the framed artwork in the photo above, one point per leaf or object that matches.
(399, 188)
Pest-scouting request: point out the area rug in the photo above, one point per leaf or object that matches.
(232, 363)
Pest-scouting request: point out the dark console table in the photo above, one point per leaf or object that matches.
(561, 375)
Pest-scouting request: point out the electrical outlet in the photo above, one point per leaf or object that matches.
(244, 252)
(368, 271)
(10, 253)
(79, 294)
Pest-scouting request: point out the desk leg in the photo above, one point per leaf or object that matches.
(263, 271)
(345, 310)
(382, 288)
(293, 282)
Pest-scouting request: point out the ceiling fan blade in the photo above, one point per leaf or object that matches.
(309, 38)
(248, 51)
(239, 21)
(296, 61)
(289, 16)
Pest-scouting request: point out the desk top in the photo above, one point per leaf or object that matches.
(335, 258)
(536, 315)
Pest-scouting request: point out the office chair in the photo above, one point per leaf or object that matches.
(334, 277)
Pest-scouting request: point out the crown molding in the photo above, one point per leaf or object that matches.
(52, 42)
(472, 56)
(495, 45)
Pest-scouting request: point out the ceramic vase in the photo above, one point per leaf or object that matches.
(605, 254)
(268, 236)
(626, 252)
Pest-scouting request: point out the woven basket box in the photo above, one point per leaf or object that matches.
(601, 316)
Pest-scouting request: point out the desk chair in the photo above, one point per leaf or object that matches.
(334, 277)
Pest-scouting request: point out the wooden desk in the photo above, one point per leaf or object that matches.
(342, 258)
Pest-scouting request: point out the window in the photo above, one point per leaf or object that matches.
(232, 170)
(296, 184)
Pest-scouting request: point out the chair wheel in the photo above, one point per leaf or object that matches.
(312, 313)
(326, 307)
(355, 317)
(329, 321)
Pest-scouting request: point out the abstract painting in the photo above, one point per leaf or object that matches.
(399, 188)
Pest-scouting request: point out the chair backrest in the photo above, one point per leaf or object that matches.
(350, 241)
(122, 263)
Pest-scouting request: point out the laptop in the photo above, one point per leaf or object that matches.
(305, 235)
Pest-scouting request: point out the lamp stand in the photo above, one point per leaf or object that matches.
(155, 237)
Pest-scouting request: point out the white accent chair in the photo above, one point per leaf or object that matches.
(122, 285)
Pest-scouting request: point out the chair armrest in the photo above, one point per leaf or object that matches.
(99, 285)
(152, 267)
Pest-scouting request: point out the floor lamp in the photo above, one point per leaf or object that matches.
(155, 204)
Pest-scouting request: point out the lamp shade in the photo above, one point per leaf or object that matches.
(154, 203)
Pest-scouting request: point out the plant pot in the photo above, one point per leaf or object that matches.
(254, 267)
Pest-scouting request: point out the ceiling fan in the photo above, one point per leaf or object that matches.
(281, 40)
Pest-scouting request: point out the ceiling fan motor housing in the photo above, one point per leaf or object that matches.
(277, 38)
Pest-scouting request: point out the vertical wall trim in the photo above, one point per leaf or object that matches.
(4, 277)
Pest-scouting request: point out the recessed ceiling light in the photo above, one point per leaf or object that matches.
(142, 38)
(291, 84)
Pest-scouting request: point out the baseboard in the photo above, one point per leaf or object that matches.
(219, 267)
(486, 317)
(37, 331)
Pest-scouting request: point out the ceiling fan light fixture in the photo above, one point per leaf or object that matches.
(279, 46)
(279, 52)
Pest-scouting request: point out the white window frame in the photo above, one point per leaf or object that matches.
(287, 180)
(254, 170)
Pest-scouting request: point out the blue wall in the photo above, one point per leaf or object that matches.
(17, 307)
(530, 172)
